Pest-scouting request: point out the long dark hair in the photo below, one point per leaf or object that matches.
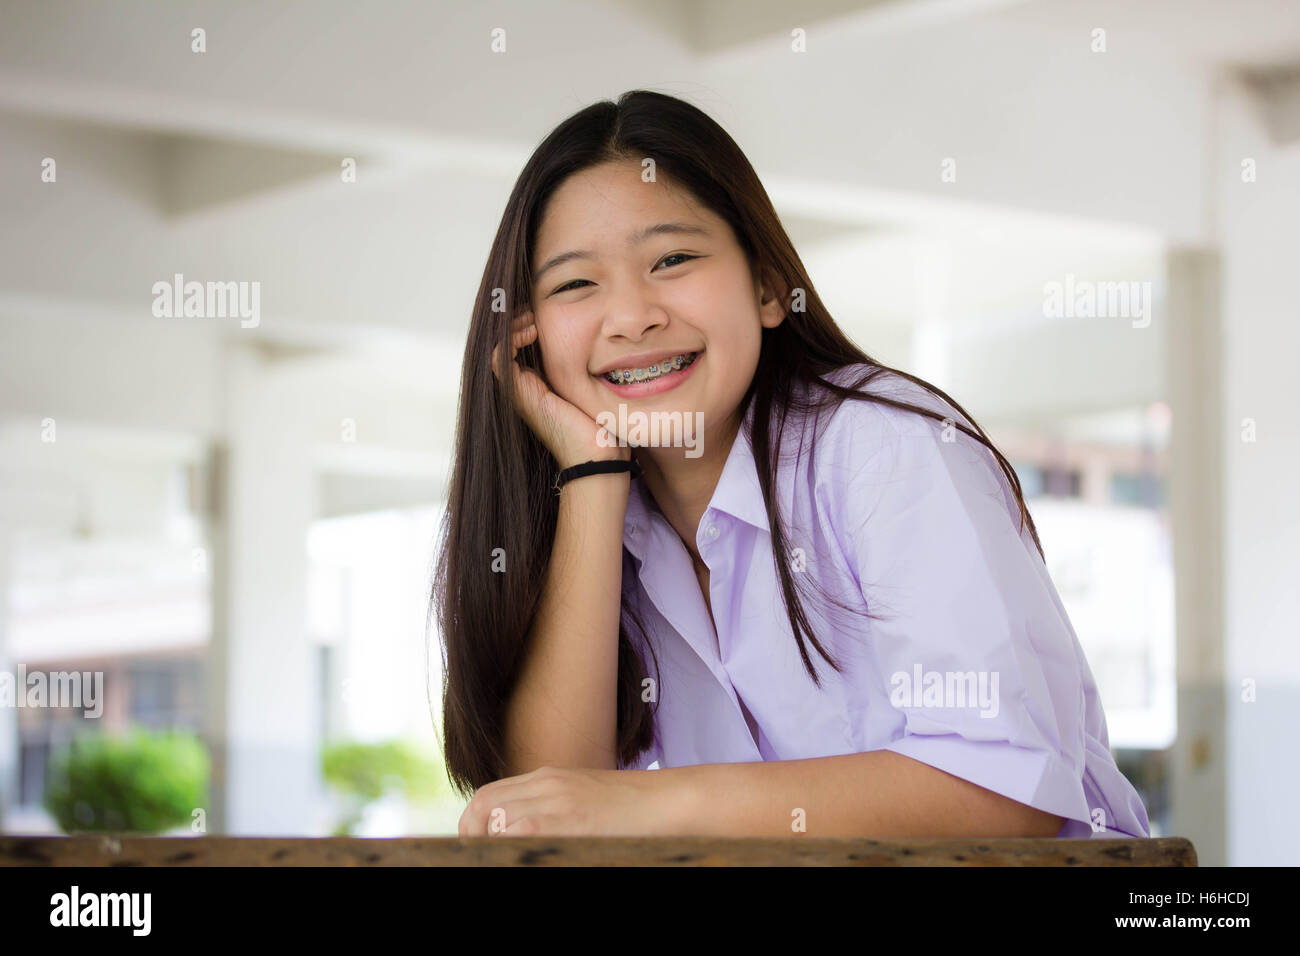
(500, 495)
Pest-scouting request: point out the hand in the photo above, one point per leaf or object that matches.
(570, 434)
(557, 801)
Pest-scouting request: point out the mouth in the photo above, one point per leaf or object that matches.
(657, 378)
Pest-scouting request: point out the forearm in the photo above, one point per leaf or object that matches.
(563, 712)
(879, 794)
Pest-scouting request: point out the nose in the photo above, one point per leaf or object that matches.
(632, 311)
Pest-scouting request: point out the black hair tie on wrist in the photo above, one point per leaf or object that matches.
(596, 468)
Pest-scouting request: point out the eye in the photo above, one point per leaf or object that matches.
(573, 285)
(567, 286)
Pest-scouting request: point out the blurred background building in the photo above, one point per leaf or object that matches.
(235, 522)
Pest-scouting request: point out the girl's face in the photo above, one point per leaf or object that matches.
(629, 272)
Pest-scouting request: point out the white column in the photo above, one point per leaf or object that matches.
(932, 273)
(9, 749)
(1194, 366)
(1258, 225)
(262, 681)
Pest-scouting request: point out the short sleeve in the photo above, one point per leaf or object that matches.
(968, 638)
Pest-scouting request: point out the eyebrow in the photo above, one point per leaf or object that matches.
(636, 238)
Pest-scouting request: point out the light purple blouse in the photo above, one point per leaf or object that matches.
(969, 663)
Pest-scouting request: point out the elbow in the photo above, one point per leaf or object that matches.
(1035, 823)
(1005, 817)
(519, 767)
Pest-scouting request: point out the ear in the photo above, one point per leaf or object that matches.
(772, 301)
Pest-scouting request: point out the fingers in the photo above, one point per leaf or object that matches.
(521, 338)
(498, 799)
(524, 331)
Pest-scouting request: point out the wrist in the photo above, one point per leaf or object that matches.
(675, 796)
(597, 500)
(614, 453)
(594, 468)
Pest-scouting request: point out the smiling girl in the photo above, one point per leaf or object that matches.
(841, 589)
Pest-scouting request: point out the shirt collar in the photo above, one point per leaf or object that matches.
(738, 494)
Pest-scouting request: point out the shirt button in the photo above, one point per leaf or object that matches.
(711, 532)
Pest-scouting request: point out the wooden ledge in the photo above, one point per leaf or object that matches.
(124, 850)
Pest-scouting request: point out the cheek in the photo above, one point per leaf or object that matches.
(564, 359)
(721, 306)
(725, 314)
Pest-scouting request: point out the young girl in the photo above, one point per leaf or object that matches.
(835, 576)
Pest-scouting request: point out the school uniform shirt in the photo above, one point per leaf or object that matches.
(968, 662)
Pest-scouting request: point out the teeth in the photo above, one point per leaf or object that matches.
(624, 376)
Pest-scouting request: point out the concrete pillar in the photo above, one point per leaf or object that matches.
(1258, 224)
(262, 720)
(9, 748)
(932, 273)
(1194, 366)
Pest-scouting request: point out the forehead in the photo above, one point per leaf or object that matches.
(601, 205)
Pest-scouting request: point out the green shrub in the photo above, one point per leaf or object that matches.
(365, 772)
(144, 782)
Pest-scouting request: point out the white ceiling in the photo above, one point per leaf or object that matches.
(227, 163)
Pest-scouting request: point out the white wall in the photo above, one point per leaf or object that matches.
(1260, 234)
